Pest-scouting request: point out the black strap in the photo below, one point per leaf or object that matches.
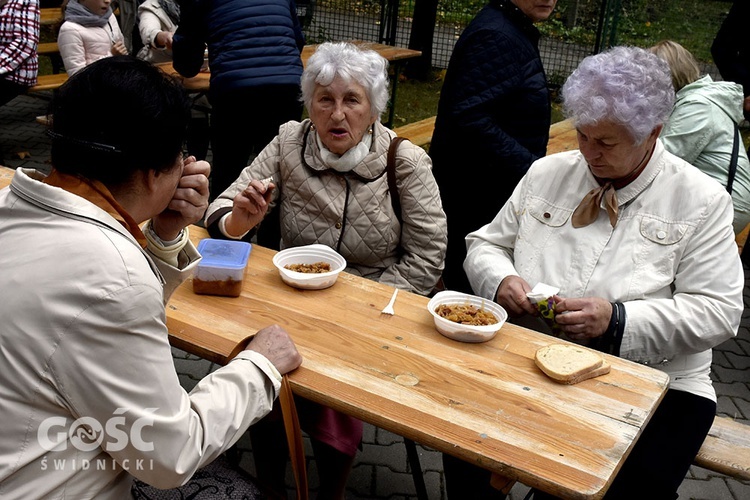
(391, 171)
(733, 162)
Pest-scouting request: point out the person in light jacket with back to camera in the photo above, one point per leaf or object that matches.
(641, 246)
(330, 186)
(91, 398)
(703, 126)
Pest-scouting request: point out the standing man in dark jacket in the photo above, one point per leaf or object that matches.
(254, 55)
(731, 49)
(493, 120)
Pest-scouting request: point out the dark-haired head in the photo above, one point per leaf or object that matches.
(116, 116)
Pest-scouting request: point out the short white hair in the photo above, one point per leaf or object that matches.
(346, 60)
(626, 85)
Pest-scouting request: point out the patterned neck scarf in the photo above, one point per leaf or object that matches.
(172, 10)
(588, 210)
(98, 194)
(79, 14)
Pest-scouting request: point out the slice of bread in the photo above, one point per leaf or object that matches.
(570, 364)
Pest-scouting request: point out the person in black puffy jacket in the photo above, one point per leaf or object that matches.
(492, 122)
(254, 55)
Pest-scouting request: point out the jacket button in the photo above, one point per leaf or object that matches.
(338, 225)
(547, 215)
(661, 235)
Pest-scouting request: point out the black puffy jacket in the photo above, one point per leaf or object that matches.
(493, 121)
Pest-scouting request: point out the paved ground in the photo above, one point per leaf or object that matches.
(381, 470)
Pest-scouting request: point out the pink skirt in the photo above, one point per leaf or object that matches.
(340, 431)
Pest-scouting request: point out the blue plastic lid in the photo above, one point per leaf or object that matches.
(224, 253)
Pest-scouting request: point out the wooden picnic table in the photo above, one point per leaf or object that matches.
(487, 403)
(395, 55)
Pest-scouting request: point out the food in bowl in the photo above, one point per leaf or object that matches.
(466, 314)
(315, 267)
(461, 303)
(309, 255)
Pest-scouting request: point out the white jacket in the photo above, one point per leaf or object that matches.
(672, 259)
(151, 20)
(81, 45)
(83, 344)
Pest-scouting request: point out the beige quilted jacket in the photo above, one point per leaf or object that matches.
(352, 212)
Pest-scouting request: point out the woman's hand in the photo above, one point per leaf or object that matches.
(189, 202)
(119, 49)
(249, 208)
(163, 40)
(583, 319)
(511, 294)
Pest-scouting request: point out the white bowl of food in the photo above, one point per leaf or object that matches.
(309, 267)
(466, 318)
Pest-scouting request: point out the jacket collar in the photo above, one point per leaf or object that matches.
(372, 167)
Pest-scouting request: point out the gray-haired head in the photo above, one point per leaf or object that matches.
(625, 85)
(346, 60)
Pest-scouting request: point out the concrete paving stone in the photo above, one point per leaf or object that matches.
(196, 370)
(369, 432)
(726, 406)
(740, 489)
(740, 361)
(712, 489)
(390, 483)
(733, 389)
(385, 437)
(392, 456)
(430, 459)
(729, 375)
(743, 406)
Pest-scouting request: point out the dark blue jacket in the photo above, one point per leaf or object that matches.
(250, 43)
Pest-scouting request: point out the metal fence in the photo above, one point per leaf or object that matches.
(577, 28)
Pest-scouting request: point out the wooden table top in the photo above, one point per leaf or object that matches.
(486, 403)
(200, 82)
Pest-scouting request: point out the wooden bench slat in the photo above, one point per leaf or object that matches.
(48, 82)
(47, 48)
(726, 449)
(419, 133)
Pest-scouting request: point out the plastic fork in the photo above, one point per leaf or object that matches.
(389, 308)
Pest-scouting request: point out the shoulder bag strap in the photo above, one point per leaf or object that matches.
(733, 162)
(391, 171)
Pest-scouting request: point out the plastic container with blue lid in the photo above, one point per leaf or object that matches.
(222, 268)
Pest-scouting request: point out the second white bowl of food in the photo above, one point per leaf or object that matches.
(309, 267)
(466, 318)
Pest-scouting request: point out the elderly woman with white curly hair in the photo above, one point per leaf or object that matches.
(641, 247)
(330, 185)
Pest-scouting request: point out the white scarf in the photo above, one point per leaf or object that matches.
(350, 159)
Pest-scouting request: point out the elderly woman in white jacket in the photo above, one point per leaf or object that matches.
(330, 185)
(90, 32)
(641, 246)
